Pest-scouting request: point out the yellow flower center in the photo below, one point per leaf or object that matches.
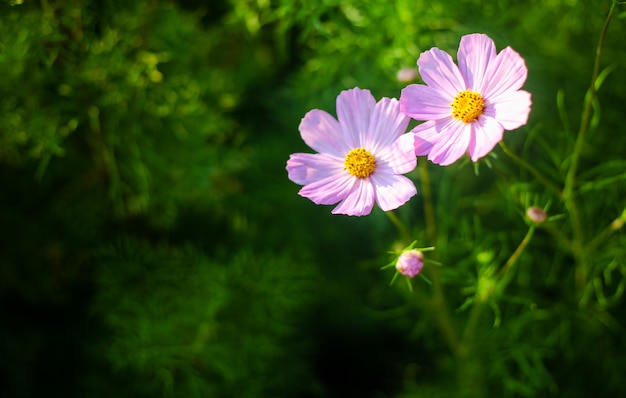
(467, 106)
(360, 163)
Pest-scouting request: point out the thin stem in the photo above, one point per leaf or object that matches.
(517, 253)
(474, 316)
(615, 225)
(587, 110)
(470, 371)
(406, 235)
(531, 169)
(429, 210)
(470, 327)
(472, 322)
(578, 248)
(439, 310)
(441, 313)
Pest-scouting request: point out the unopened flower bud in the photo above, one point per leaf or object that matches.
(410, 263)
(536, 214)
(406, 75)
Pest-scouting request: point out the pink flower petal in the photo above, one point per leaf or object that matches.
(475, 53)
(425, 103)
(510, 109)
(486, 133)
(392, 191)
(398, 158)
(439, 72)
(354, 108)
(425, 135)
(305, 168)
(507, 72)
(386, 125)
(322, 132)
(359, 201)
(330, 190)
(453, 142)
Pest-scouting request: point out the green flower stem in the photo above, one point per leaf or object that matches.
(436, 305)
(570, 178)
(578, 249)
(441, 313)
(615, 225)
(470, 327)
(406, 235)
(536, 173)
(465, 348)
(517, 253)
(471, 376)
(429, 210)
(439, 308)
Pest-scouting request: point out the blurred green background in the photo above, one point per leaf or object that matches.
(151, 244)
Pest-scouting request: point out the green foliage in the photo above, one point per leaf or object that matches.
(153, 245)
(132, 89)
(178, 319)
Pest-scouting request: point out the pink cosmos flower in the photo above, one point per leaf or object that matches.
(468, 107)
(361, 155)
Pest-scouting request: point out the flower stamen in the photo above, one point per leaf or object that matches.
(467, 106)
(360, 163)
